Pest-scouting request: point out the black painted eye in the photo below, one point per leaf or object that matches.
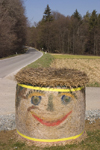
(35, 100)
(65, 99)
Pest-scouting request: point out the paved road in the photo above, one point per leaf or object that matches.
(92, 98)
(7, 66)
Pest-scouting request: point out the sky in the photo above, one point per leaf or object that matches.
(35, 8)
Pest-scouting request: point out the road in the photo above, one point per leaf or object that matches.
(8, 68)
(9, 65)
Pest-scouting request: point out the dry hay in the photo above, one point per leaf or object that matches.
(51, 77)
(51, 117)
(90, 66)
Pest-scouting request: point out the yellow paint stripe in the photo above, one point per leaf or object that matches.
(35, 94)
(50, 89)
(68, 94)
(50, 140)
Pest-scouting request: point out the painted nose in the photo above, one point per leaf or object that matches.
(50, 106)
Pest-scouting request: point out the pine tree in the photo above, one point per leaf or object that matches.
(93, 32)
(93, 20)
(87, 17)
(77, 15)
(47, 14)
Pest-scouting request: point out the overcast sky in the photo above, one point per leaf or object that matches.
(36, 8)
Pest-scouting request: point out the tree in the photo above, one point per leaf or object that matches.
(44, 29)
(93, 20)
(47, 14)
(13, 25)
(87, 17)
(92, 31)
(77, 15)
(57, 15)
(76, 21)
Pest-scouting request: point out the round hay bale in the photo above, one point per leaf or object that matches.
(51, 111)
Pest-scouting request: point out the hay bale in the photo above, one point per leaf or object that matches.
(50, 116)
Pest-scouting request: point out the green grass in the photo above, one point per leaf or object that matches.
(44, 61)
(95, 84)
(63, 56)
(92, 142)
(18, 144)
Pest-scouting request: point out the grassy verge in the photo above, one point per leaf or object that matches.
(10, 56)
(62, 56)
(8, 140)
(44, 61)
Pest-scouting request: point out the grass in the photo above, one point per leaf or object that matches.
(45, 61)
(95, 84)
(63, 56)
(8, 140)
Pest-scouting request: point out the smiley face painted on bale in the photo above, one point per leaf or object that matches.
(45, 108)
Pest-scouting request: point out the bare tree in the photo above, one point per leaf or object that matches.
(13, 25)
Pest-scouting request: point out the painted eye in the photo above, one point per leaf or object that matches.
(65, 99)
(35, 100)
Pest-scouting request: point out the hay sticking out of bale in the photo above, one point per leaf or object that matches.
(52, 77)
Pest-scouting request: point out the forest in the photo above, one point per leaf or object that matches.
(13, 27)
(74, 34)
(54, 33)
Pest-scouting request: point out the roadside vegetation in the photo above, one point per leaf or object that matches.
(44, 61)
(24, 51)
(64, 56)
